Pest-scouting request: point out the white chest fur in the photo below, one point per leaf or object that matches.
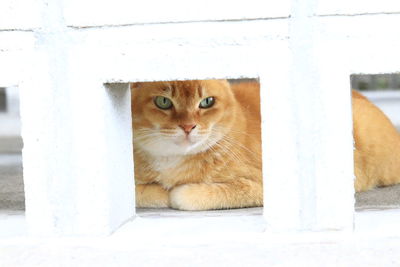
(164, 163)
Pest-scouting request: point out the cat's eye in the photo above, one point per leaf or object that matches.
(207, 102)
(163, 102)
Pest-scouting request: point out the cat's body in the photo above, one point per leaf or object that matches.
(193, 158)
(198, 145)
(377, 146)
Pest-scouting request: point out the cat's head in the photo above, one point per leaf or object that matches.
(181, 117)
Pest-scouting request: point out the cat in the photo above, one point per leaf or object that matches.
(197, 144)
(377, 146)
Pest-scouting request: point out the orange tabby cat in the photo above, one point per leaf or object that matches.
(377, 146)
(197, 145)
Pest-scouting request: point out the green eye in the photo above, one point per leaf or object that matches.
(207, 102)
(163, 102)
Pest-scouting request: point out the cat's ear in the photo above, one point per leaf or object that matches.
(136, 85)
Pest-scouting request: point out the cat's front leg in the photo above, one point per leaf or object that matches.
(240, 193)
(151, 196)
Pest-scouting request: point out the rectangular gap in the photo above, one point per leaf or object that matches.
(375, 82)
(3, 100)
(179, 145)
(12, 198)
(377, 141)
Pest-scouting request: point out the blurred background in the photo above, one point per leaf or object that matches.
(10, 126)
(377, 82)
(383, 90)
(12, 197)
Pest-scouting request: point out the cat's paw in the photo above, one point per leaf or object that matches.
(151, 196)
(188, 197)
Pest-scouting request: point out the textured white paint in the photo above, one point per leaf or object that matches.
(78, 169)
(20, 14)
(122, 12)
(15, 48)
(280, 169)
(345, 7)
(218, 240)
(164, 52)
(78, 152)
(302, 169)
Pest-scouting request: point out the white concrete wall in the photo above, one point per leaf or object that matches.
(357, 7)
(130, 12)
(78, 166)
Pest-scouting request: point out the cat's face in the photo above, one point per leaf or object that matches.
(181, 117)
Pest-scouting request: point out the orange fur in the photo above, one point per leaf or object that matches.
(216, 166)
(377, 146)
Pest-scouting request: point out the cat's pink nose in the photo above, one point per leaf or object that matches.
(187, 128)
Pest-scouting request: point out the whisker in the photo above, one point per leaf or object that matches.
(224, 129)
(230, 153)
(227, 150)
(233, 141)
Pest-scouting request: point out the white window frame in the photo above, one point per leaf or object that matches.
(306, 188)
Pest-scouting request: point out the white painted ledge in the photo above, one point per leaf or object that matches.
(368, 223)
(209, 241)
(167, 213)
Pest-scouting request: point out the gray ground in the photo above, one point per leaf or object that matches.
(12, 189)
(11, 183)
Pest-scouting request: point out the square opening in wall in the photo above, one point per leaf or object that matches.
(376, 119)
(11, 182)
(197, 146)
(3, 100)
